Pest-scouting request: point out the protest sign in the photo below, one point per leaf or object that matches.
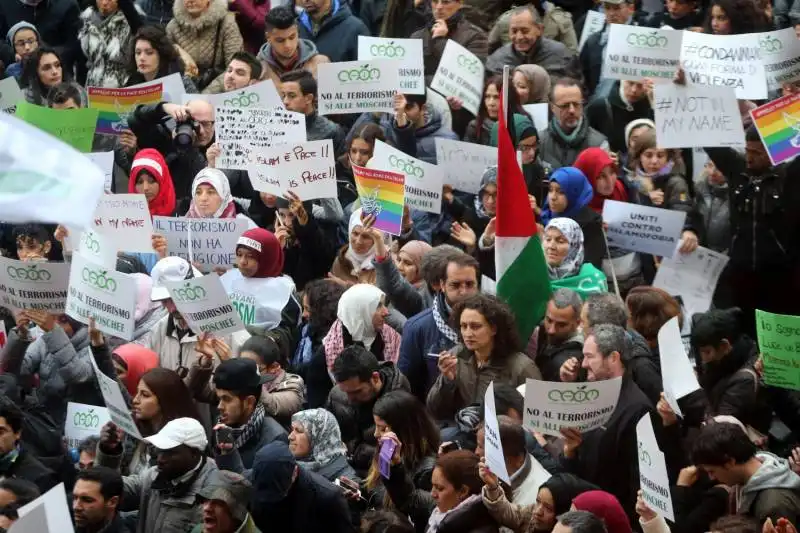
(691, 276)
(172, 87)
(460, 74)
(35, 521)
(635, 52)
(42, 180)
(699, 160)
(697, 116)
(778, 124)
(488, 285)
(33, 285)
(307, 169)
(104, 294)
(779, 342)
(243, 132)
(74, 127)
(780, 51)
(495, 459)
(357, 86)
(677, 374)
(262, 94)
(540, 114)
(653, 478)
(83, 421)
(645, 229)
(551, 406)
(125, 218)
(97, 248)
(423, 180)
(725, 61)
(205, 305)
(105, 162)
(593, 22)
(10, 95)
(464, 163)
(382, 194)
(117, 105)
(51, 513)
(407, 53)
(117, 408)
(210, 241)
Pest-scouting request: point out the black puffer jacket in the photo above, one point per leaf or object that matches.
(57, 21)
(550, 357)
(644, 366)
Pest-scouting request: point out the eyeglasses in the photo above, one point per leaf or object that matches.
(26, 42)
(565, 106)
(206, 124)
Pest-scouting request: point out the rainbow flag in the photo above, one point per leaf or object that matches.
(778, 123)
(116, 105)
(382, 194)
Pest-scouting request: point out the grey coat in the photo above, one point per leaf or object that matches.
(559, 153)
(558, 60)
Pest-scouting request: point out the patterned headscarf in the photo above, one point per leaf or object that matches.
(571, 264)
(323, 436)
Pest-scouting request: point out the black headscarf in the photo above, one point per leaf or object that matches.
(564, 488)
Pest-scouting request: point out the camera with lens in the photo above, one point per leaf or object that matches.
(186, 133)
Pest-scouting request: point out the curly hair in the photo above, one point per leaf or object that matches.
(744, 16)
(649, 309)
(157, 37)
(30, 74)
(498, 315)
(323, 299)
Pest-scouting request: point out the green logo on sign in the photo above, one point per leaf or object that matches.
(189, 293)
(28, 274)
(770, 45)
(472, 64)
(99, 279)
(387, 50)
(644, 457)
(91, 244)
(641, 40)
(406, 166)
(581, 395)
(86, 420)
(243, 100)
(360, 75)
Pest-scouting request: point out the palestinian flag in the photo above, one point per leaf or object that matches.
(522, 279)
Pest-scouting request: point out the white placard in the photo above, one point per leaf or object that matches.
(697, 116)
(205, 306)
(98, 249)
(641, 228)
(83, 421)
(307, 169)
(243, 132)
(125, 219)
(677, 374)
(10, 95)
(104, 294)
(406, 52)
(540, 113)
(50, 514)
(33, 285)
(34, 521)
(495, 459)
(551, 406)
(460, 74)
(692, 276)
(780, 50)
(726, 61)
(423, 180)
(357, 86)
(635, 52)
(211, 242)
(653, 478)
(261, 94)
(592, 23)
(105, 162)
(115, 402)
(43, 179)
(172, 87)
(699, 160)
(488, 285)
(464, 163)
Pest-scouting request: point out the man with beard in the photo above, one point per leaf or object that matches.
(95, 499)
(558, 338)
(165, 494)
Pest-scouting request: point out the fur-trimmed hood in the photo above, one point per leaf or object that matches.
(217, 10)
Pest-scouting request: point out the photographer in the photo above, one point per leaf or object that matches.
(181, 134)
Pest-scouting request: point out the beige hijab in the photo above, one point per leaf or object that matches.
(538, 82)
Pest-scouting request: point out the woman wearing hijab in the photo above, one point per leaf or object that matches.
(569, 196)
(563, 252)
(605, 506)
(353, 263)
(532, 83)
(534, 169)
(212, 198)
(316, 443)
(402, 280)
(146, 314)
(131, 361)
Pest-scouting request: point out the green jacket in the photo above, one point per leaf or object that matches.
(248, 526)
(588, 281)
(557, 25)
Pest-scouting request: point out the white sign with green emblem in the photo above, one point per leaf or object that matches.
(634, 53)
(460, 74)
(205, 305)
(423, 180)
(33, 285)
(358, 86)
(407, 53)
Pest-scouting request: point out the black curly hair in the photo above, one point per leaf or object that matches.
(498, 315)
(323, 300)
(168, 57)
(744, 15)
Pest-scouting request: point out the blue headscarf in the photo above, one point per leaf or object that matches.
(576, 187)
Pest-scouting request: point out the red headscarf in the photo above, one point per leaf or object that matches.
(268, 248)
(138, 360)
(606, 507)
(153, 162)
(591, 162)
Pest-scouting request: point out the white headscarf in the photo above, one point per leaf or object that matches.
(217, 179)
(360, 261)
(356, 307)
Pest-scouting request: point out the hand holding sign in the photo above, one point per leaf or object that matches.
(95, 335)
(572, 441)
(489, 479)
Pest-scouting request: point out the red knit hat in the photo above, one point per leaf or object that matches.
(269, 250)
(152, 161)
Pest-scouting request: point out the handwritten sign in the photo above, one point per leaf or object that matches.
(551, 406)
(593, 23)
(210, 241)
(10, 95)
(382, 195)
(778, 125)
(692, 276)
(495, 459)
(33, 285)
(779, 342)
(464, 163)
(357, 86)
(697, 116)
(243, 132)
(74, 127)
(645, 229)
(725, 61)
(677, 374)
(83, 421)
(653, 478)
(115, 402)
(205, 305)
(460, 74)
(125, 218)
(105, 162)
(262, 94)
(635, 52)
(307, 169)
(423, 180)
(780, 50)
(406, 52)
(117, 105)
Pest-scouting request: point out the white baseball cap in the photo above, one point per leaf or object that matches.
(187, 431)
(170, 269)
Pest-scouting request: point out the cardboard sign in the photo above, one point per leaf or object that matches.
(460, 74)
(645, 229)
(205, 306)
(10, 95)
(125, 218)
(635, 52)
(307, 169)
(262, 94)
(358, 86)
(83, 421)
(779, 342)
(382, 194)
(653, 478)
(778, 124)
(33, 285)
(209, 242)
(464, 163)
(697, 116)
(115, 402)
(117, 105)
(406, 52)
(495, 459)
(243, 132)
(74, 127)
(423, 180)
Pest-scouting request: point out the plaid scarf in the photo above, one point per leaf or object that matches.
(441, 323)
(243, 434)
